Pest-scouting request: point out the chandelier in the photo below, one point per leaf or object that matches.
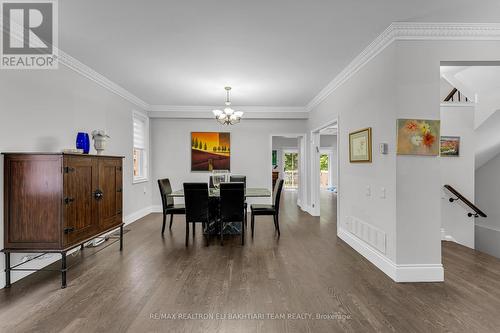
(228, 116)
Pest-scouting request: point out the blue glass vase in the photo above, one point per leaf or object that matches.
(83, 142)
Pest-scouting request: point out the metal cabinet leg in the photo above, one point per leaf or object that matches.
(121, 238)
(7, 269)
(63, 270)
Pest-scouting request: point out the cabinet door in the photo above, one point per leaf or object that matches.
(110, 185)
(80, 206)
(33, 192)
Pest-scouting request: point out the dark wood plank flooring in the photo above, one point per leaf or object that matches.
(307, 272)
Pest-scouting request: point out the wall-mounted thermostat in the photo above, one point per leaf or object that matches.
(384, 148)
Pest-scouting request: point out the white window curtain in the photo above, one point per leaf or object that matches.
(140, 147)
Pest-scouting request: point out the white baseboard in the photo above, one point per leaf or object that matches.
(308, 209)
(314, 211)
(446, 237)
(156, 209)
(130, 218)
(303, 206)
(420, 273)
(399, 273)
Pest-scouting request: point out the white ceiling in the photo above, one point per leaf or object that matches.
(273, 53)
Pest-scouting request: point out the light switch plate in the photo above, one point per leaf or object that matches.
(384, 148)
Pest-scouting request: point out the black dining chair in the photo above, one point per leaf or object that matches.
(238, 179)
(232, 199)
(273, 209)
(241, 179)
(196, 201)
(169, 207)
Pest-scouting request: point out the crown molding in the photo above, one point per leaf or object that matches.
(82, 69)
(408, 31)
(209, 108)
(205, 112)
(396, 31)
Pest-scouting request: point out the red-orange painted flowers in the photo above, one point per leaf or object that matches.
(411, 126)
(428, 139)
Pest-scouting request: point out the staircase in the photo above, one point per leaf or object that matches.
(479, 86)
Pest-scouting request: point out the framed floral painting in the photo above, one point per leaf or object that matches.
(418, 137)
(360, 146)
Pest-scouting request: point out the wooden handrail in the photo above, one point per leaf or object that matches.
(477, 212)
(450, 95)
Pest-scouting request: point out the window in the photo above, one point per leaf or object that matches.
(140, 153)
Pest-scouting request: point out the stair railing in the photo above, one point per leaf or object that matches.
(476, 212)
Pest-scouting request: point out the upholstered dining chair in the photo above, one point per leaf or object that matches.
(169, 207)
(240, 179)
(196, 200)
(232, 199)
(273, 209)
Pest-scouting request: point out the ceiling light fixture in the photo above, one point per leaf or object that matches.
(228, 116)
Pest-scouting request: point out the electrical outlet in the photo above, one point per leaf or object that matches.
(382, 193)
(368, 191)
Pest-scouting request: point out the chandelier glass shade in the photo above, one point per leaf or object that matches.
(228, 116)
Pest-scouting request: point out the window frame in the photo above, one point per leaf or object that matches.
(145, 150)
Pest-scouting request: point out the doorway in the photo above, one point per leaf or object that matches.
(324, 181)
(324, 167)
(327, 169)
(470, 147)
(291, 169)
(288, 162)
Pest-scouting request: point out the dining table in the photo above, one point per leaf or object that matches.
(213, 227)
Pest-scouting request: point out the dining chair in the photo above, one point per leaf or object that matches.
(273, 209)
(238, 179)
(232, 199)
(169, 207)
(196, 201)
(242, 179)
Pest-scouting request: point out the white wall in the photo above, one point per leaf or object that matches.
(459, 173)
(402, 81)
(362, 102)
(250, 149)
(487, 191)
(281, 142)
(419, 187)
(42, 111)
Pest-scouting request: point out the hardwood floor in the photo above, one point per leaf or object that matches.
(307, 272)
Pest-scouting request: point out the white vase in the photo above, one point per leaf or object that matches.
(99, 137)
(99, 144)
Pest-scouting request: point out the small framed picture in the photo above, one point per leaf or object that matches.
(450, 146)
(360, 146)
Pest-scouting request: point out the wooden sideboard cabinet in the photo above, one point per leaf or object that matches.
(56, 202)
(276, 175)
